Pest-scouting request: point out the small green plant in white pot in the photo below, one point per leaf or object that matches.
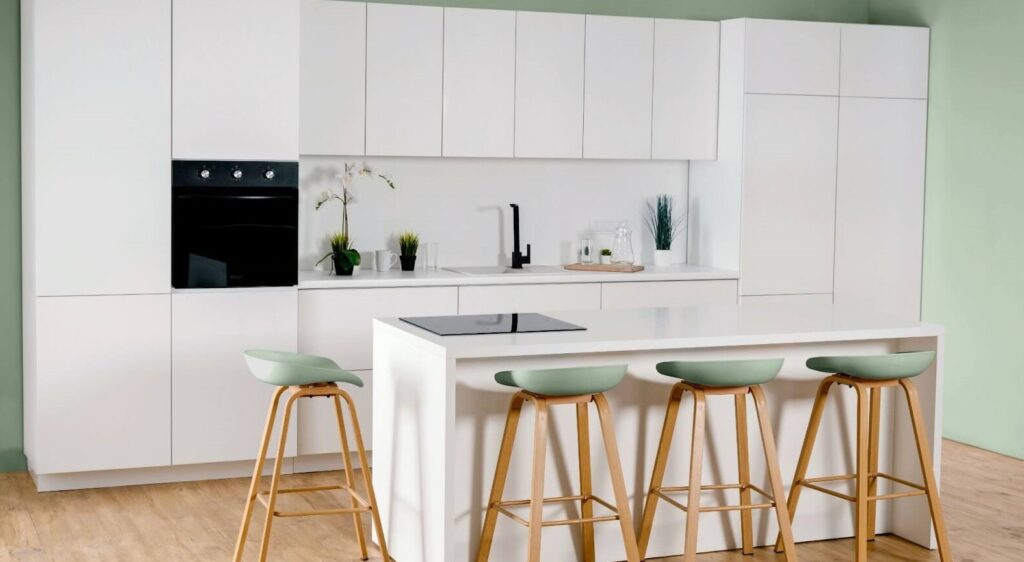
(664, 228)
(606, 256)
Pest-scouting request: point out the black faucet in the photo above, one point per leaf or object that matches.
(518, 259)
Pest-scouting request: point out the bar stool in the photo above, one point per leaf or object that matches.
(868, 375)
(553, 387)
(703, 378)
(306, 376)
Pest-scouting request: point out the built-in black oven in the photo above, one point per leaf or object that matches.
(234, 224)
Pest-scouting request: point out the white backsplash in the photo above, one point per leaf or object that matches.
(463, 205)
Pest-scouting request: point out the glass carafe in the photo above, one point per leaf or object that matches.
(622, 249)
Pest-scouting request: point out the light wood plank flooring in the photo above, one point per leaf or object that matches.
(983, 495)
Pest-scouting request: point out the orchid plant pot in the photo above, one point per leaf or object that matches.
(342, 265)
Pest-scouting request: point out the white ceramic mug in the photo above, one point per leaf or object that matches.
(384, 260)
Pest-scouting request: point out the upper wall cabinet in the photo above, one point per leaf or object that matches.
(880, 61)
(403, 79)
(685, 119)
(792, 57)
(332, 73)
(618, 92)
(549, 85)
(236, 79)
(479, 82)
(96, 147)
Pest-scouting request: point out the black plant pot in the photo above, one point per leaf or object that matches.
(408, 263)
(342, 265)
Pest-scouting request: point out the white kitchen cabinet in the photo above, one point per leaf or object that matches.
(789, 300)
(496, 299)
(338, 323)
(96, 147)
(618, 87)
(549, 85)
(236, 79)
(479, 82)
(219, 407)
(102, 395)
(650, 294)
(789, 193)
(880, 204)
(791, 57)
(685, 118)
(884, 61)
(403, 79)
(332, 73)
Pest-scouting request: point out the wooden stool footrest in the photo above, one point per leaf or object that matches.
(664, 491)
(502, 508)
(363, 505)
(812, 483)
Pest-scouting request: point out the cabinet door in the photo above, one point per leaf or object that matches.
(792, 57)
(685, 120)
(880, 204)
(338, 323)
(618, 92)
(884, 61)
(788, 300)
(219, 408)
(789, 193)
(332, 73)
(103, 380)
(549, 85)
(649, 294)
(97, 176)
(479, 82)
(529, 298)
(403, 79)
(236, 79)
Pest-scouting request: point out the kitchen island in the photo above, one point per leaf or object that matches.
(438, 417)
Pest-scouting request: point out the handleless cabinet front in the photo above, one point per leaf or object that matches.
(499, 299)
(651, 294)
(884, 61)
(791, 57)
(685, 116)
(236, 79)
(219, 408)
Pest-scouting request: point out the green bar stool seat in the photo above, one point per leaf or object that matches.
(702, 378)
(869, 375)
(546, 388)
(306, 376)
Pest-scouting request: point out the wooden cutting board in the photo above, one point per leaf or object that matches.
(611, 267)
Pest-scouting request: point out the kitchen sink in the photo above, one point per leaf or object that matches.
(503, 270)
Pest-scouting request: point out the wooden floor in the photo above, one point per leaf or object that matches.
(983, 495)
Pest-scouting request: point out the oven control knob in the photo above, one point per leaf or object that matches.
(269, 174)
(204, 174)
(237, 174)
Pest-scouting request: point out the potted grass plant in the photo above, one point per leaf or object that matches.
(344, 258)
(408, 244)
(352, 171)
(606, 256)
(664, 227)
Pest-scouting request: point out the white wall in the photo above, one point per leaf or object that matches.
(462, 204)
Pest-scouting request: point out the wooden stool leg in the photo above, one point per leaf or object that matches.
(743, 462)
(696, 464)
(275, 482)
(925, 457)
(863, 442)
(500, 473)
(875, 422)
(367, 480)
(660, 461)
(540, 440)
(805, 451)
(586, 486)
(771, 458)
(350, 480)
(611, 449)
(254, 486)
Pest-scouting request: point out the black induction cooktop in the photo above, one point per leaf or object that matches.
(477, 324)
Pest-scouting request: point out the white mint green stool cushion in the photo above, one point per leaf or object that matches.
(283, 368)
(564, 382)
(877, 367)
(742, 372)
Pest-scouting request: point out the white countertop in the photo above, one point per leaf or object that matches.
(756, 323)
(395, 278)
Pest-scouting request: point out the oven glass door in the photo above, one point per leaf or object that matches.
(235, 237)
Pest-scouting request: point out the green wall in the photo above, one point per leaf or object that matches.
(974, 212)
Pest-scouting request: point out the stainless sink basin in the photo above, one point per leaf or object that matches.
(503, 270)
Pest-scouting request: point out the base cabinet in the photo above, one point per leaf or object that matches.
(99, 398)
(667, 293)
(529, 298)
(219, 408)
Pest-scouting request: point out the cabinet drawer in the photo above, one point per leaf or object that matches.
(529, 298)
(649, 294)
(796, 300)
